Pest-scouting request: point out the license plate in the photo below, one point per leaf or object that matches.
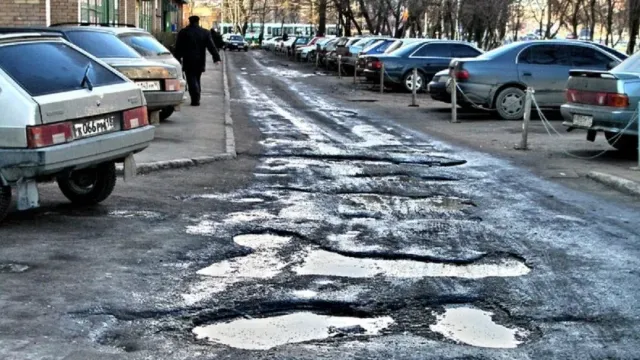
(149, 85)
(583, 120)
(240, 46)
(94, 127)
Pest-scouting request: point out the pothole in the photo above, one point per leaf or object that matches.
(128, 214)
(476, 327)
(13, 268)
(326, 263)
(270, 332)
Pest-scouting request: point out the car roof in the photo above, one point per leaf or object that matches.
(17, 36)
(54, 29)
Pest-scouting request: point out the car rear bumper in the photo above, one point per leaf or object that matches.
(31, 163)
(157, 100)
(604, 118)
(374, 75)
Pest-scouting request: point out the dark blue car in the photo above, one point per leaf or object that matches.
(428, 56)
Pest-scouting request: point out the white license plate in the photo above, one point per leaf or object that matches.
(94, 127)
(583, 120)
(149, 85)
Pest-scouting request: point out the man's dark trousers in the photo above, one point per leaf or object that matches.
(193, 81)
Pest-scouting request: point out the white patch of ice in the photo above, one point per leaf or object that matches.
(128, 214)
(475, 327)
(203, 227)
(251, 215)
(305, 294)
(261, 264)
(267, 333)
(373, 137)
(321, 262)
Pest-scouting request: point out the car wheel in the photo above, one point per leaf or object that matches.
(89, 186)
(510, 103)
(166, 112)
(5, 201)
(246, 49)
(408, 81)
(625, 143)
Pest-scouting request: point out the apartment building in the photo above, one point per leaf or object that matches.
(155, 16)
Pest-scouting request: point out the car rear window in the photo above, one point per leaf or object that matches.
(43, 68)
(235, 38)
(145, 44)
(630, 65)
(101, 44)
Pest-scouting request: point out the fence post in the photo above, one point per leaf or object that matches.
(454, 95)
(317, 59)
(339, 66)
(526, 120)
(355, 70)
(414, 85)
(382, 79)
(638, 122)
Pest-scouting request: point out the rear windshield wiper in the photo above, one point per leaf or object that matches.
(86, 79)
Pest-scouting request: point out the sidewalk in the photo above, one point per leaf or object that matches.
(194, 134)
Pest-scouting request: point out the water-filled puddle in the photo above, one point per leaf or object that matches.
(475, 327)
(321, 262)
(269, 332)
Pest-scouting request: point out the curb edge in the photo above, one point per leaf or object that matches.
(230, 140)
(621, 184)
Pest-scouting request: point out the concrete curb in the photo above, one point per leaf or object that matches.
(230, 142)
(618, 183)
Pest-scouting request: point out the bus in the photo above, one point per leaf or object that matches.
(276, 29)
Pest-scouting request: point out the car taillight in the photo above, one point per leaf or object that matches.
(462, 75)
(47, 135)
(597, 98)
(134, 118)
(376, 64)
(172, 85)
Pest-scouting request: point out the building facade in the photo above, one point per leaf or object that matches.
(155, 16)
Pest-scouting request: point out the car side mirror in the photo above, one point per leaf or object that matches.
(612, 64)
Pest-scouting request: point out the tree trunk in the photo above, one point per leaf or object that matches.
(322, 17)
(365, 14)
(634, 24)
(592, 26)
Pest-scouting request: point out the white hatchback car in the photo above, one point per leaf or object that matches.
(66, 115)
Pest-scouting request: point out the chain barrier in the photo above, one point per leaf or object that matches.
(473, 104)
(547, 125)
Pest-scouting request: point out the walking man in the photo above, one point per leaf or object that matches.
(191, 46)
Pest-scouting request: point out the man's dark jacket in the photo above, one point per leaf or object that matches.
(191, 47)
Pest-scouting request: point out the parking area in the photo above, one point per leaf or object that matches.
(552, 152)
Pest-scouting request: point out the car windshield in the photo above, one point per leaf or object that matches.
(397, 45)
(145, 44)
(372, 46)
(47, 68)
(614, 52)
(407, 49)
(630, 65)
(302, 40)
(101, 44)
(235, 38)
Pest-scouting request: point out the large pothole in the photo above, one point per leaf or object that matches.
(269, 332)
(476, 327)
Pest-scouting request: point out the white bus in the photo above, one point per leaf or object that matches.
(276, 29)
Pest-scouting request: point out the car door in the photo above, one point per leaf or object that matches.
(431, 58)
(545, 68)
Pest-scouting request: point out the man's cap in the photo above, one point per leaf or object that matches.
(194, 18)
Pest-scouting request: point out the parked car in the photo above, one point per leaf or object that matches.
(605, 101)
(428, 56)
(325, 48)
(341, 49)
(497, 79)
(67, 116)
(150, 48)
(283, 46)
(269, 44)
(351, 57)
(160, 82)
(377, 48)
(235, 42)
(303, 51)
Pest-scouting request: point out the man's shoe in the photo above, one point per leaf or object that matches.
(195, 104)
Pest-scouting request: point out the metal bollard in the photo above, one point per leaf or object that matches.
(414, 85)
(526, 120)
(317, 59)
(382, 79)
(339, 66)
(454, 97)
(638, 123)
(355, 70)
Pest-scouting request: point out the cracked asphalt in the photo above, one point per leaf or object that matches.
(408, 248)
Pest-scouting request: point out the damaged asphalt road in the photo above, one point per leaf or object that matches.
(337, 233)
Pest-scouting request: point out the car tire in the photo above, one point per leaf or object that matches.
(89, 186)
(5, 201)
(246, 49)
(626, 143)
(510, 103)
(407, 81)
(166, 113)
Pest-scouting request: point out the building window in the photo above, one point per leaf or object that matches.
(170, 16)
(99, 11)
(146, 15)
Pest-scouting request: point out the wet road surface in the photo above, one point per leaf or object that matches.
(341, 234)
